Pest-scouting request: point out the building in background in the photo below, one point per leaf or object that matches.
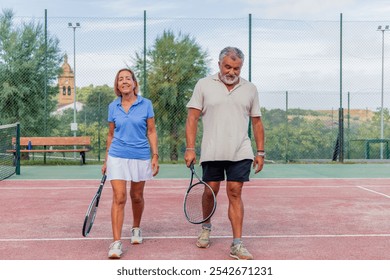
(66, 89)
(66, 84)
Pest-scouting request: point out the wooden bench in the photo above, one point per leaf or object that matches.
(54, 145)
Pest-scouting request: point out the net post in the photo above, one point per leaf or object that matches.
(341, 135)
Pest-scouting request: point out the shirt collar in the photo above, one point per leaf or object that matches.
(119, 99)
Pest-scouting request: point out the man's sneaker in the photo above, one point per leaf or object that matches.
(204, 238)
(115, 251)
(239, 252)
(136, 236)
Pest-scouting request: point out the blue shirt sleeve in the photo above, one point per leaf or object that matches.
(150, 110)
(111, 110)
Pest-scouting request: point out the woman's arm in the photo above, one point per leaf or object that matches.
(152, 137)
(110, 135)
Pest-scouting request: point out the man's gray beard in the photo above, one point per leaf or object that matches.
(229, 81)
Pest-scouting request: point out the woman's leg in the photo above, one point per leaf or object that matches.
(137, 201)
(118, 207)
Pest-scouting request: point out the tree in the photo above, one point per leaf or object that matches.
(300, 138)
(92, 119)
(174, 65)
(96, 105)
(24, 62)
(96, 112)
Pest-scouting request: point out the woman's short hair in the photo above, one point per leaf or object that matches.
(117, 91)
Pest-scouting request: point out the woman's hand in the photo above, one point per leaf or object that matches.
(104, 168)
(155, 166)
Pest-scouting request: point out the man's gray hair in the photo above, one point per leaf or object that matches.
(231, 50)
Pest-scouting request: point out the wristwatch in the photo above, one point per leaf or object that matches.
(261, 153)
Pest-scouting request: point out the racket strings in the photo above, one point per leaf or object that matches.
(89, 219)
(92, 209)
(198, 206)
(91, 216)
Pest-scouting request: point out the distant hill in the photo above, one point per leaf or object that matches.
(355, 114)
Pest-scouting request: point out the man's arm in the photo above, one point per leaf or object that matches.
(258, 132)
(191, 129)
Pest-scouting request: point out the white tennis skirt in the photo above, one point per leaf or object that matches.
(135, 170)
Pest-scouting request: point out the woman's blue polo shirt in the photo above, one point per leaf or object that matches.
(130, 135)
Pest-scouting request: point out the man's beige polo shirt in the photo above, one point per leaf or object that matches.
(225, 117)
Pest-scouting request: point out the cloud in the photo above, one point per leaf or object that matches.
(280, 9)
(317, 10)
(124, 8)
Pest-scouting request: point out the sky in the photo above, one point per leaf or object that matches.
(295, 43)
(279, 9)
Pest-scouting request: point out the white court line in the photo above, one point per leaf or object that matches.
(194, 237)
(185, 187)
(382, 194)
(50, 188)
(84, 188)
(169, 187)
(98, 180)
(187, 178)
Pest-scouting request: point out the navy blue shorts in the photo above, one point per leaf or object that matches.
(237, 171)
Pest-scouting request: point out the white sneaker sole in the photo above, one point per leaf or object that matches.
(202, 246)
(136, 242)
(237, 258)
(114, 256)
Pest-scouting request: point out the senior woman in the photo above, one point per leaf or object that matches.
(132, 155)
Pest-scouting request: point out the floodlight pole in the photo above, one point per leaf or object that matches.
(77, 25)
(386, 28)
(340, 137)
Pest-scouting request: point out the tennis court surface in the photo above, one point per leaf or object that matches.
(292, 212)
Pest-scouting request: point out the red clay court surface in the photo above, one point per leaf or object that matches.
(285, 219)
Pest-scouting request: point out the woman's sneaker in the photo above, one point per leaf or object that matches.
(136, 236)
(115, 251)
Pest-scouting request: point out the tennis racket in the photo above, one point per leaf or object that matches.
(92, 209)
(199, 201)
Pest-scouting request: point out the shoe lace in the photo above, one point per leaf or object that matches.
(205, 233)
(241, 249)
(116, 244)
(136, 232)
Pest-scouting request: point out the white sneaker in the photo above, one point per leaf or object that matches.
(115, 251)
(136, 236)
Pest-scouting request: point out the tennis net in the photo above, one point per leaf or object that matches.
(8, 163)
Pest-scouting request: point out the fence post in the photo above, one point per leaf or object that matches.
(341, 116)
(45, 85)
(286, 156)
(144, 91)
(250, 64)
(349, 128)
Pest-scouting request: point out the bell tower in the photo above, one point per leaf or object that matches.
(66, 84)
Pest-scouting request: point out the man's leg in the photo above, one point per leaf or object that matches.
(236, 217)
(236, 207)
(203, 240)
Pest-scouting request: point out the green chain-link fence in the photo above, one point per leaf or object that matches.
(297, 66)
